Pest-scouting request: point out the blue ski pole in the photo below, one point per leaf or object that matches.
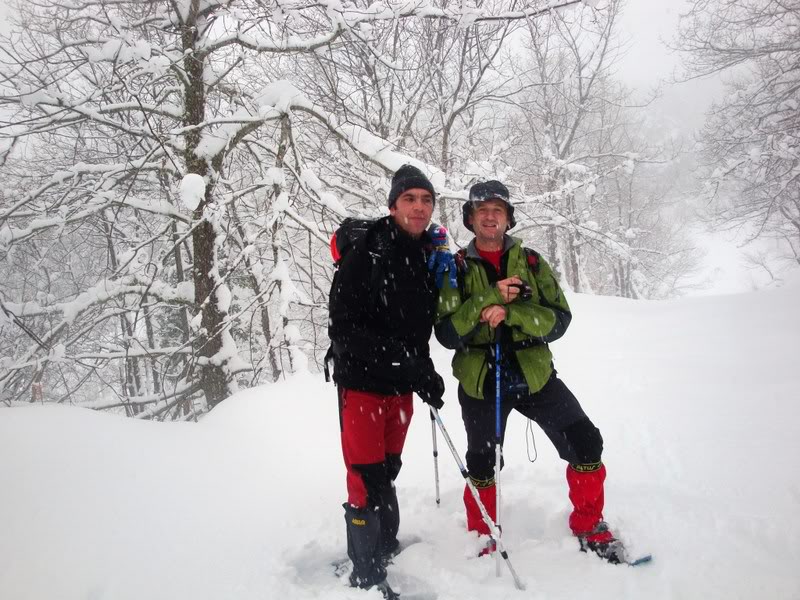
(498, 448)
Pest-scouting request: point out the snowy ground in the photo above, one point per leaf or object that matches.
(697, 401)
(727, 266)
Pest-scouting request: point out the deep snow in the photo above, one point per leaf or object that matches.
(696, 399)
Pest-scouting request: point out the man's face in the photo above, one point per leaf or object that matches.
(489, 219)
(412, 211)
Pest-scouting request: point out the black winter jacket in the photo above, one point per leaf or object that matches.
(382, 310)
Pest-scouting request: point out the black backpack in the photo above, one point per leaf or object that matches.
(349, 232)
(346, 235)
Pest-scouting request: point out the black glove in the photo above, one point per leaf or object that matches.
(430, 387)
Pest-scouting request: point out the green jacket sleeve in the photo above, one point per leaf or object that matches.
(546, 318)
(457, 320)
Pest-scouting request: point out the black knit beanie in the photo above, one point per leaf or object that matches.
(407, 178)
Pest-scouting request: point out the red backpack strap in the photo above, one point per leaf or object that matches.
(533, 258)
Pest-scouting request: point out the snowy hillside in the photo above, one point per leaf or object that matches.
(697, 401)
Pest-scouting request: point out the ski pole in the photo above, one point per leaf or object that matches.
(498, 447)
(435, 460)
(494, 534)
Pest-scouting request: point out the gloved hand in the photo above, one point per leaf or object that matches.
(441, 259)
(430, 386)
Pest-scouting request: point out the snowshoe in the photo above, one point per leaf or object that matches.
(388, 592)
(489, 548)
(603, 543)
(391, 551)
(383, 587)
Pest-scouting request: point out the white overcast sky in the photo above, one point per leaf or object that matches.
(648, 25)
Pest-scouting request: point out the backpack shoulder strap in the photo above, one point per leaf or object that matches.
(460, 258)
(533, 259)
(348, 234)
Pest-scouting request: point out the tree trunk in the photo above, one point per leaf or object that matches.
(573, 272)
(263, 306)
(151, 340)
(276, 189)
(213, 379)
(552, 252)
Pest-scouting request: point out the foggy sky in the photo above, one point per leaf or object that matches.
(646, 28)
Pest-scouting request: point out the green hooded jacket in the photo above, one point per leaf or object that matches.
(533, 323)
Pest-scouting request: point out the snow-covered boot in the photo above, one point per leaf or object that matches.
(364, 546)
(489, 546)
(603, 543)
(388, 593)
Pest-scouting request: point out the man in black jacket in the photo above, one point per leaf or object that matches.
(382, 310)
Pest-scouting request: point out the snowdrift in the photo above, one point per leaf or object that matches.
(697, 401)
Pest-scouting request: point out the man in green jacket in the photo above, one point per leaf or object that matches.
(508, 293)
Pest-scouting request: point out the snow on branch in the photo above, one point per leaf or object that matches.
(346, 16)
(104, 291)
(58, 355)
(178, 392)
(461, 14)
(107, 171)
(283, 96)
(291, 44)
(97, 203)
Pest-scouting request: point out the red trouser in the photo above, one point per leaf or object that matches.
(374, 427)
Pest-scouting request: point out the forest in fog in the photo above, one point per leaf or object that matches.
(172, 170)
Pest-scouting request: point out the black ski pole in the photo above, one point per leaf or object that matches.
(494, 534)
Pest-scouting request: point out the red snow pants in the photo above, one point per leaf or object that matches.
(374, 428)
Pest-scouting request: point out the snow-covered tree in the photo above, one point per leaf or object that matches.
(751, 141)
(164, 191)
(586, 175)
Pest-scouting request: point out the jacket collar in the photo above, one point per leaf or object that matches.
(508, 243)
(385, 232)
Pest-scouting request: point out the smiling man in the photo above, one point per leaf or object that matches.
(507, 293)
(382, 309)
